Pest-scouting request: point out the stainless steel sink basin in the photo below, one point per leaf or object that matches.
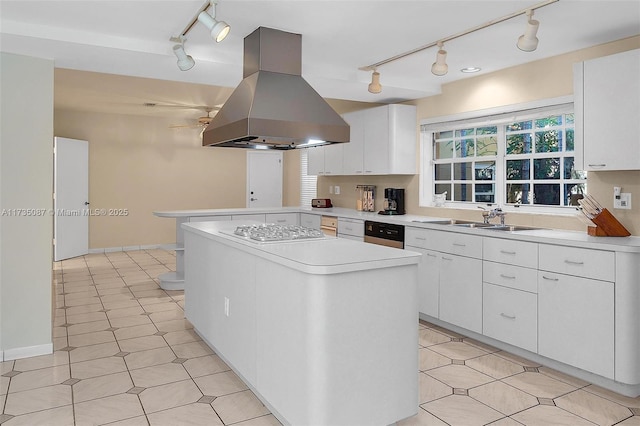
(450, 222)
(474, 225)
(510, 228)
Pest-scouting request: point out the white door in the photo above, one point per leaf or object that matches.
(264, 179)
(71, 198)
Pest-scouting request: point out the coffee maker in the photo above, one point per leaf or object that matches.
(393, 201)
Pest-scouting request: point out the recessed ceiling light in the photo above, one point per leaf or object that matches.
(470, 70)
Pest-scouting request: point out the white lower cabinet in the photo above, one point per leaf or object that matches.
(428, 281)
(352, 229)
(511, 316)
(461, 291)
(282, 218)
(576, 321)
(312, 221)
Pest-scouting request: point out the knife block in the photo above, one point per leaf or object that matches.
(607, 226)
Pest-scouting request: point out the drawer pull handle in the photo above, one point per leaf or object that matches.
(510, 277)
(573, 262)
(446, 258)
(421, 238)
(459, 245)
(511, 317)
(431, 255)
(550, 278)
(507, 252)
(597, 165)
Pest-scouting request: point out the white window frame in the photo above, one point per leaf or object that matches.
(490, 116)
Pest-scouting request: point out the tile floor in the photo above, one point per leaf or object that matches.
(125, 355)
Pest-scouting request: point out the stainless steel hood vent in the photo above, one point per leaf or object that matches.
(273, 107)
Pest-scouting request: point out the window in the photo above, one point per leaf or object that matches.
(308, 184)
(524, 158)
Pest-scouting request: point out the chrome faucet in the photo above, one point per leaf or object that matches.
(490, 214)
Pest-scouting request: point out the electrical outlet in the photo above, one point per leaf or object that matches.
(337, 191)
(623, 201)
(226, 306)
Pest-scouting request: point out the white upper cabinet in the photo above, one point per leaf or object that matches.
(383, 141)
(607, 107)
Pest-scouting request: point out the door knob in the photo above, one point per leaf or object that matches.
(86, 203)
(253, 199)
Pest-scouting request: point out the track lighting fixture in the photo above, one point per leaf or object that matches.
(528, 42)
(375, 86)
(185, 62)
(440, 66)
(218, 29)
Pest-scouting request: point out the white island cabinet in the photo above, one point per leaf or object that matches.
(322, 330)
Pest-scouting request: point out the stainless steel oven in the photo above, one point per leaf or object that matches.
(384, 234)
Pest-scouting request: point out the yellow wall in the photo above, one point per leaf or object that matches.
(548, 78)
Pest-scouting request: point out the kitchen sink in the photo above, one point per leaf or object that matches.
(475, 225)
(510, 228)
(446, 222)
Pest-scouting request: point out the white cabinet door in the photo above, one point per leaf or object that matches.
(428, 281)
(352, 151)
(310, 220)
(249, 217)
(607, 92)
(376, 141)
(283, 218)
(315, 161)
(576, 322)
(333, 159)
(461, 291)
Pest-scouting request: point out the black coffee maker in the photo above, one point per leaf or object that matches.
(393, 201)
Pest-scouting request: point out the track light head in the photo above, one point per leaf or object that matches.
(440, 66)
(528, 42)
(375, 86)
(185, 62)
(219, 29)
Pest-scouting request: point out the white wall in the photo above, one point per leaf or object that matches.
(26, 182)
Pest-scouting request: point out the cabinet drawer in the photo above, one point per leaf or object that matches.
(310, 220)
(515, 277)
(455, 243)
(416, 237)
(248, 217)
(282, 218)
(510, 316)
(588, 263)
(352, 227)
(329, 221)
(511, 252)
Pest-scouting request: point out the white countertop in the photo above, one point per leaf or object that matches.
(322, 256)
(547, 236)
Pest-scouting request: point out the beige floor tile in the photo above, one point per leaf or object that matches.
(80, 293)
(494, 366)
(430, 389)
(631, 421)
(159, 375)
(88, 300)
(150, 357)
(196, 414)
(39, 378)
(459, 376)
(94, 338)
(423, 418)
(507, 421)
(109, 409)
(149, 293)
(205, 365)
(53, 417)
(427, 359)
(173, 314)
(142, 343)
(573, 381)
(98, 367)
(182, 336)
(84, 309)
(171, 395)
(517, 359)
(130, 321)
(86, 353)
(428, 337)
(539, 385)
(503, 398)
(238, 407)
(220, 384)
(6, 366)
(43, 361)
(133, 421)
(592, 407)
(135, 331)
(88, 317)
(124, 291)
(37, 399)
(102, 386)
(88, 327)
(549, 415)
(4, 386)
(146, 301)
(160, 307)
(458, 350)
(615, 397)
(125, 312)
(192, 350)
(174, 325)
(462, 410)
(110, 299)
(59, 343)
(120, 304)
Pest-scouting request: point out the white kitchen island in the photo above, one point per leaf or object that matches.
(323, 330)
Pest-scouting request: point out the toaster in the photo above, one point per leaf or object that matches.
(321, 203)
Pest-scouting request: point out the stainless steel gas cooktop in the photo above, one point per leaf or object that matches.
(269, 232)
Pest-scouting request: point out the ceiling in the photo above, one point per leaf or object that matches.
(129, 40)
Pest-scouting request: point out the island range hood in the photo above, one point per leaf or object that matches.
(273, 107)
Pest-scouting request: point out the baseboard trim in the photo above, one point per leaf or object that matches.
(27, 351)
(168, 247)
